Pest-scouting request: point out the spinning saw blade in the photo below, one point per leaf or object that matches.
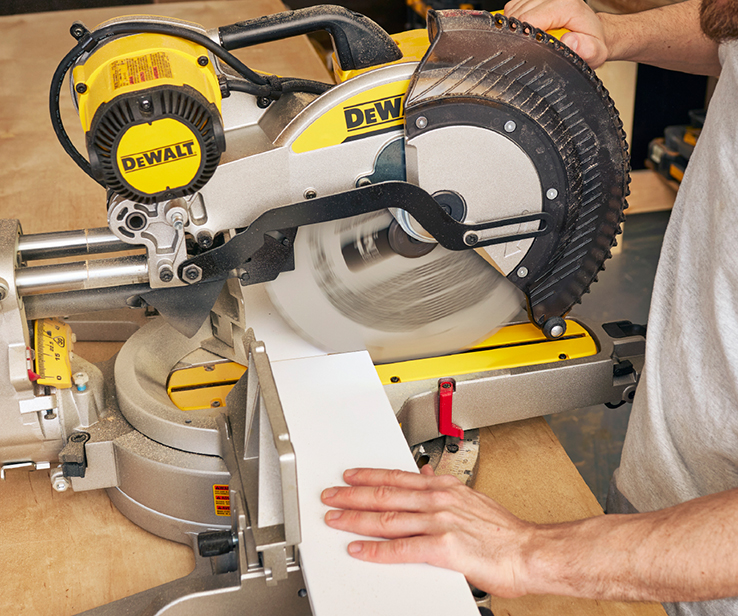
(350, 290)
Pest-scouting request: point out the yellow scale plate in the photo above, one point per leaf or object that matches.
(512, 346)
(53, 344)
(203, 387)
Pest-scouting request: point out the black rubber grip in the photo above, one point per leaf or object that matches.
(358, 41)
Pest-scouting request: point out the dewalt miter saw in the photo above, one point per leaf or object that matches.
(450, 177)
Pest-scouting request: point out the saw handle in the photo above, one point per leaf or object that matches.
(358, 41)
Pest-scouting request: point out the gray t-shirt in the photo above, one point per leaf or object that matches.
(682, 439)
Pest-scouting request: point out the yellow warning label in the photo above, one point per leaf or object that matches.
(222, 499)
(53, 343)
(149, 67)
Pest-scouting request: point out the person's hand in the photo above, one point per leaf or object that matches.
(587, 36)
(434, 520)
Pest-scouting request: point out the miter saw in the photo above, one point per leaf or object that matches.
(410, 210)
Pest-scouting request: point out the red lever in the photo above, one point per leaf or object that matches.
(445, 410)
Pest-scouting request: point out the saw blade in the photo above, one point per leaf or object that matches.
(351, 291)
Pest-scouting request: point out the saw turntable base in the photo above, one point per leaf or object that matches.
(54, 567)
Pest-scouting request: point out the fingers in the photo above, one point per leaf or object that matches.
(587, 36)
(386, 498)
(387, 524)
(384, 477)
(406, 550)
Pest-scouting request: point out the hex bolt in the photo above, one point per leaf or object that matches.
(58, 481)
(470, 239)
(203, 60)
(510, 126)
(522, 272)
(310, 194)
(421, 122)
(81, 88)
(192, 273)
(80, 380)
(551, 194)
(166, 274)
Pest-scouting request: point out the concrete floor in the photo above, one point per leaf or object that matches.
(593, 437)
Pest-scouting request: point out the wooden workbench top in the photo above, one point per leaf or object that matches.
(63, 553)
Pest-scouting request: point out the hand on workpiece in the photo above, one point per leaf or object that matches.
(587, 36)
(434, 520)
(683, 553)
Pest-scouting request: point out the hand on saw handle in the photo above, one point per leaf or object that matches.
(434, 520)
(587, 33)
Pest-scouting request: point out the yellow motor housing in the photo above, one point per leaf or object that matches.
(150, 108)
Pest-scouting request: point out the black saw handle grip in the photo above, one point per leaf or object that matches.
(358, 41)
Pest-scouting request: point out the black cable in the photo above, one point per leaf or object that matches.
(286, 84)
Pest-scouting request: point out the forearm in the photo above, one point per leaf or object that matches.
(668, 37)
(684, 553)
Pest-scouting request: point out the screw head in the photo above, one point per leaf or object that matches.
(215, 404)
(310, 194)
(557, 331)
(80, 380)
(522, 272)
(61, 484)
(81, 88)
(263, 102)
(205, 239)
(421, 122)
(452, 448)
(203, 60)
(166, 274)
(395, 379)
(470, 239)
(510, 126)
(145, 104)
(192, 273)
(551, 194)
(4, 289)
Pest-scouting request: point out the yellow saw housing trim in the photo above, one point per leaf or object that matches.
(375, 110)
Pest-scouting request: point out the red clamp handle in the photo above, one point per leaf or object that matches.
(445, 409)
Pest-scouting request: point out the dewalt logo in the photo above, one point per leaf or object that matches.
(376, 113)
(158, 156)
(365, 114)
